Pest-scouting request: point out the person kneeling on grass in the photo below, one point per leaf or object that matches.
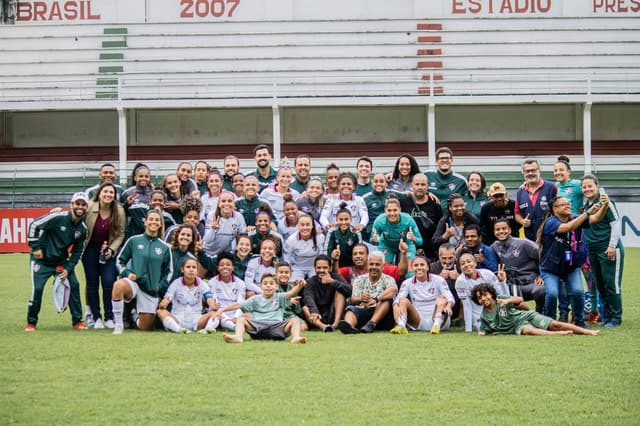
(187, 294)
(267, 310)
(506, 315)
(424, 301)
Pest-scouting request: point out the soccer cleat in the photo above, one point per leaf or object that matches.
(98, 325)
(436, 328)
(368, 327)
(118, 330)
(80, 326)
(594, 317)
(207, 331)
(347, 328)
(327, 329)
(398, 329)
(185, 331)
(30, 327)
(110, 324)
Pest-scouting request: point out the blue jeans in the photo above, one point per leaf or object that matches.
(573, 281)
(96, 273)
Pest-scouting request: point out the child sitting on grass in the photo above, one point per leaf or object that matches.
(507, 315)
(268, 311)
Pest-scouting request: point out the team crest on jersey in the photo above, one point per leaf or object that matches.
(503, 311)
(374, 205)
(140, 246)
(544, 204)
(77, 234)
(36, 267)
(63, 228)
(452, 186)
(431, 290)
(158, 250)
(515, 252)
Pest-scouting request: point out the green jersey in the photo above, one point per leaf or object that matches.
(598, 235)
(292, 310)
(263, 309)
(54, 233)
(444, 185)
(149, 258)
(508, 319)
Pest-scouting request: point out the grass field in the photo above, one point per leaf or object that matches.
(62, 376)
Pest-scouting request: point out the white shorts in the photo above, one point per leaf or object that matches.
(189, 322)
(145, 304)
(426, 322)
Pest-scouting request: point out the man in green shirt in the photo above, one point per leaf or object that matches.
(443, 181)
(265, 174)
(302, 167)
(510, 315)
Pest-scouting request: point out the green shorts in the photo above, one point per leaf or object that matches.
(534, 320)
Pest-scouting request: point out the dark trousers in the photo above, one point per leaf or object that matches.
(40, 274)
(95, 274)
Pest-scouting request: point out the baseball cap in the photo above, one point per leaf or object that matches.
(496, 188)
(80, 196)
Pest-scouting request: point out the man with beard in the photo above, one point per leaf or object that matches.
(325, 295)
(265, 174)
(521, 259)
(446, 267)
(533, 199)
(424, 210)
(57, 241)
(443, 181)
(500, 207)
(302, 167)
(231, 166)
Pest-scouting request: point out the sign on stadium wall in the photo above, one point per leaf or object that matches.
(162, 11)
(14, 226)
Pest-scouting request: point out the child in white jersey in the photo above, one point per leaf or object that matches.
(187, 294)
(424, 301)
(227, 289)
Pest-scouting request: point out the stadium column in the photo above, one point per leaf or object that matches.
(122, 144)
(277, 136)
(586, 135)
(431, 135)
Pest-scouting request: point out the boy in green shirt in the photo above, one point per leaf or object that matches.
(510, 315)
(268, 312)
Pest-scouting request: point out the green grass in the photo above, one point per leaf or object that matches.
(58, 375)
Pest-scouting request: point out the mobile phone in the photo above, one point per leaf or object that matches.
(601, 190)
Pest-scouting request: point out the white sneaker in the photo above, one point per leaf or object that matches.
(98, 325)
(118, 330)
(110, 324)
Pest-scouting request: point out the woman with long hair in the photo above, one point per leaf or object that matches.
(302, 247)
(105, 220)
(313, 200)
(563, 250)
(225, 226)
(136, 199)
(403, 172)
(183, 247)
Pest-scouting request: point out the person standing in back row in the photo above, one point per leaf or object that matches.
(443, 181)
(532, 199)
(56, 241)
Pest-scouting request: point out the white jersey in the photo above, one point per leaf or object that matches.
(301, 255)
(188, 303)
(228, 293)
(255, 270)
(464, 284)
(209, 206)
(423, 294)
(285, 230)
(223, 238)
(272, 197)
(356, 205)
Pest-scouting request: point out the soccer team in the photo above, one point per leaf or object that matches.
(276, 252)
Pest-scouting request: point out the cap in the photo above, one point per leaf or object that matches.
(80, 196)
(496, 188)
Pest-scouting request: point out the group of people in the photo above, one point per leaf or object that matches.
(276, 252)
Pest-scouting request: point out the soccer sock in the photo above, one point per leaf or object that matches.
(212, 324)
(402, 321)
(228, 324)
(117, 307)
(438, 319)
(171, 324)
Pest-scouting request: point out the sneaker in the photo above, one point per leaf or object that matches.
(611, 324)
(594, 317)
(347, 328)
(185, 331)
(435, 329)
(98, 325)
(30, 327)
(368, 327)
(110, 324)
(328, 329)
(398, 329)
(80, 326)
(118, 330)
